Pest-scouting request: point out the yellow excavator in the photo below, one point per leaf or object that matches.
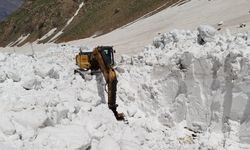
(101, 58)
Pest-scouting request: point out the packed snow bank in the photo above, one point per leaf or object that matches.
(188, 90)
(198, 77)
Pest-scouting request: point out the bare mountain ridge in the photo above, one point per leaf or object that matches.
(37, 17)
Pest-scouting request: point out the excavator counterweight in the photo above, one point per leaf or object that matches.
(101, 58)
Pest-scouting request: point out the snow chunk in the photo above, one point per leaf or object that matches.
(2, 76)
(64, 137)
(166, 119)
(3, 57)
(11, 74)
(108, 143)
(248, 38)
(31, 118)
(42, 69)
(32, 84)
(158, 43)
(206, 33)
(6, 125)
(53, 73)
(6, 147)
(129, 145)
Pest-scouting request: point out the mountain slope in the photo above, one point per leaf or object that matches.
(38, 17)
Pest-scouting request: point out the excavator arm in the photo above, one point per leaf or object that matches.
(110, 78)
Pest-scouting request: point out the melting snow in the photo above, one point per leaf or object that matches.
(69, 21)
(47, 35)
(19, 40)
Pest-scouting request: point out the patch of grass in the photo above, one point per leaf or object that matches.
(105, 16)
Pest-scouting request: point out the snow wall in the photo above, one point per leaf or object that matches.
(201, 77)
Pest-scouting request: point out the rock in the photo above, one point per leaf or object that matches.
(242, 25)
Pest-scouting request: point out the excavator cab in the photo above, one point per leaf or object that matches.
(108, 54)
(85, 61)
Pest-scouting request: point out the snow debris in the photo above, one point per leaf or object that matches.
(108, 143)
(220, 23)
(32, 84)
(206, 34)
(6, 147)
(6, 126)
(31, 118)
(178, 93)
(248, 38)
(2, 76)
(63, 137)
(12, 74)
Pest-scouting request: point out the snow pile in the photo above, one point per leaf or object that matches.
(179, 93)
(198, 77)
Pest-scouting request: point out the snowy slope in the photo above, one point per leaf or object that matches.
(133, 38)
(176, 94)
